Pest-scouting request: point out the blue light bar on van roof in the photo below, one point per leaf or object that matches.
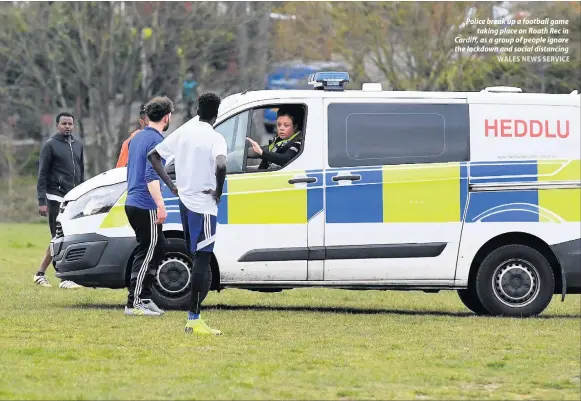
(329, 81)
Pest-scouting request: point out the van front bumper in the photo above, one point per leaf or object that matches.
(569, 255)
(92, 260)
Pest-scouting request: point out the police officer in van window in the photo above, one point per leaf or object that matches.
(285, 146)
(61, 168)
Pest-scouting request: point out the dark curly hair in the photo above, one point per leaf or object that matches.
(64, 114)
(208, 105)
(158, 107)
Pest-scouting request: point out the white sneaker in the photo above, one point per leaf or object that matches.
(68, 285)
(140, 311)
(149, 304)
(40, 279)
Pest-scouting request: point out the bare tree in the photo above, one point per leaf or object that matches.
(102, 50)
(412, 45)
(406, 45)
(102, 59)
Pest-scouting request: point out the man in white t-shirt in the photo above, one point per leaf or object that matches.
(200, 164)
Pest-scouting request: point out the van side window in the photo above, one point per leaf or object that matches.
(251, 124)
(371, 134)
(234, 131)
(281, 147)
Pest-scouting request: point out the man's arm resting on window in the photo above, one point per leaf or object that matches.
(155, 160)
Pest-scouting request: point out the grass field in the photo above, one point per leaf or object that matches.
(298, 344)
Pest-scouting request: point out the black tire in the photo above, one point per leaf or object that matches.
(470, 299)
(515, 281)
(171, 288)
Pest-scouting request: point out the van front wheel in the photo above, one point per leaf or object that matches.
(515, 281)
(171, 288)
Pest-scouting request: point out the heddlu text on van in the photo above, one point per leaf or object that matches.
(507, 128)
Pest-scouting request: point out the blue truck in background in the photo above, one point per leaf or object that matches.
(292, 75)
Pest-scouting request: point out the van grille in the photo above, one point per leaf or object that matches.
(75, 255)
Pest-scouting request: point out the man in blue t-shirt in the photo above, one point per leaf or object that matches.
(145, 208)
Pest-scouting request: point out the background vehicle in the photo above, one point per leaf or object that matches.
(478, 192)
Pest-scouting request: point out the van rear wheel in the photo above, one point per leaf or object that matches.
(171, 285)
(515, 281)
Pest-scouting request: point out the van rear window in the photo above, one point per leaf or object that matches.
(394, 135)
(370, 134)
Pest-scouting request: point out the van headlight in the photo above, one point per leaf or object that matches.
(99, 200)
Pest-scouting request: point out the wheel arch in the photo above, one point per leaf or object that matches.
(213, 261)
(179, 234)
(167, 234)
(520, 238)
(215, 286)
(128, 267)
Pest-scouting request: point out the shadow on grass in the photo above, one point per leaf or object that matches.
(318, 309)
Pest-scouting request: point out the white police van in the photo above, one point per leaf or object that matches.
(477, 192)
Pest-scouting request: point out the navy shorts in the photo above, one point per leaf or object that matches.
(199, 230)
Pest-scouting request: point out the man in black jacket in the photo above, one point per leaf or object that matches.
(61, 168)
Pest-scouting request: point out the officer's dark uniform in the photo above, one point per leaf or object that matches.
(281, 151)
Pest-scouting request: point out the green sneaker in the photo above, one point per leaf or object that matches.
(198, 326)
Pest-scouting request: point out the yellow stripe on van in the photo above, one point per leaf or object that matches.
(565, 203)
(421, 193)
(559, 170)
(116, 217)
(266, 198)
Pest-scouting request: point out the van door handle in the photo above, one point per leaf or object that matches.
(302, 179)
(351, 177)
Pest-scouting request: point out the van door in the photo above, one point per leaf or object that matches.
(262, 232)
(395, 188)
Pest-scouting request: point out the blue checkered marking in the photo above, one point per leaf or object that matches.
(514, 171)
(223, 205)
(358, 202)
(315, 194)
(172, 206)
(505, 206)
(513, 206)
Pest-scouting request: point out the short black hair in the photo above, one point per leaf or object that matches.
(158, 107)
(142, 112)
(64, 114)
(287, 111)
(208, 105)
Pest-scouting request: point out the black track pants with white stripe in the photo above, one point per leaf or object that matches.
(149, 253)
